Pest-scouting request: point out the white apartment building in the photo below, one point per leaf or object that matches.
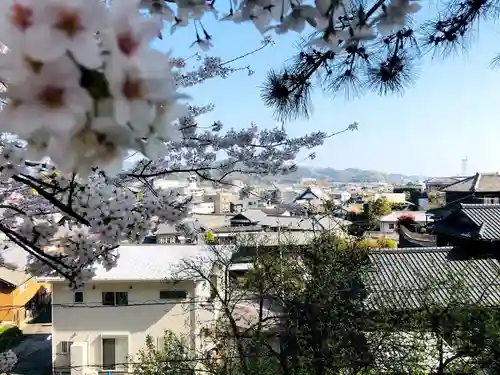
(97, 329)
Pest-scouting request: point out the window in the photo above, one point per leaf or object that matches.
(166, 239)
(173, 294)
(490, 200)
(109, 354)
(115, 298)
(391, 226)
(66, 347)
(78, 297)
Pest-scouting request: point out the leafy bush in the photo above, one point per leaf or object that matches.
(209, 238)
(380, 243)
(387, 243)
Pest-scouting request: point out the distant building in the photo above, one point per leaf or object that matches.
(435, 184)
(480, 188)
(221, 200)
(388, 223)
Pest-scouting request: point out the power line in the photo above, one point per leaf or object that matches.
(145, 303)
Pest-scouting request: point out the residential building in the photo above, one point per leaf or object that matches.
(169, 234)
(404, 279)
(435, 184)
(341, 196)
(475, 226)
(309, 196)
(221, 200)
(202, 207)
(20, 293)
(409, 279)
(265, 229)
(480, 188)
(388, 223)
(102, 325)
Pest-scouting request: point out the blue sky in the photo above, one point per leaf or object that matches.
(452, 111)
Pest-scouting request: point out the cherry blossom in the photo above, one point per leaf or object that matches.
(54, 100)
(8, 360)
(67, 26)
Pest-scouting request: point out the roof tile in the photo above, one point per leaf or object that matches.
(479, 183)
(408, 278)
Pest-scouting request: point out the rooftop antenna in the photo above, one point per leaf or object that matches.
(464, 162)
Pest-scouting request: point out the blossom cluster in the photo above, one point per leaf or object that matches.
(84, 86)
(340, 22)
(80, 226)
(8, 361)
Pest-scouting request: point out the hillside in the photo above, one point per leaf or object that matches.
(348, 175)
(331, 174)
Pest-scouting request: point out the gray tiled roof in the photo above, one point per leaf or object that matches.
(412, 277)
(479, 183)
(307, 194)
(486, 217)
(442, 180)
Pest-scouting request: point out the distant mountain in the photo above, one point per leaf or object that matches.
(327, 173)
(348, 175)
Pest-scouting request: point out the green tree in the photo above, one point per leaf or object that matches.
(372, 211)
(209, 238)
(170, 358)
(381, 207)
(305, 311)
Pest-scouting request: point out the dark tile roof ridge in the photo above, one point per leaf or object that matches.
(479, 205)
(406, 250)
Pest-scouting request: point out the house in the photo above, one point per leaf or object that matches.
(149, 291)
(308, 196)
(469, 225)
(248, 218)
(480, 188)
(341, 196)
(388, 223)
(407, 279)
(236, 205)
(200, 207)
(20, 293)
(435, 184)
(168, 234)
(221, 201)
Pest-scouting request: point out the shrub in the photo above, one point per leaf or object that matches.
(382, 243)
(387, 243)
(209, 238)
